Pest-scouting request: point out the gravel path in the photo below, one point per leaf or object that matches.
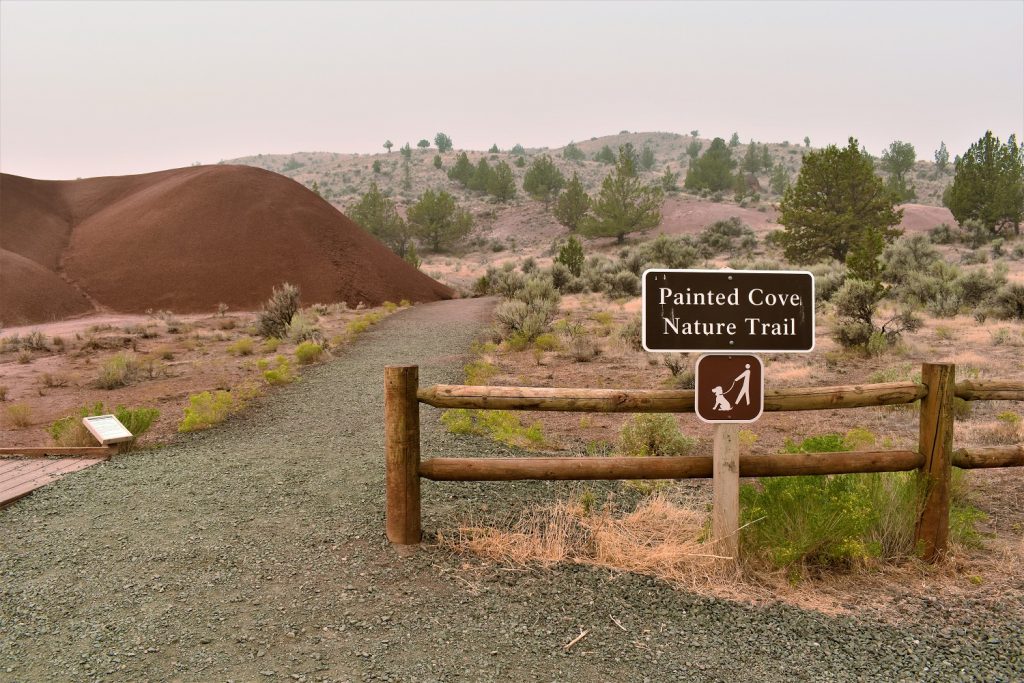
(255, 552)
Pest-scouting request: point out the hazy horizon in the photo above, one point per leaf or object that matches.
(90, 89)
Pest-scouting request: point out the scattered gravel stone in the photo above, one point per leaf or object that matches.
(255, 551)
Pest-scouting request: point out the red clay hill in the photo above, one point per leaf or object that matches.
(185, 240)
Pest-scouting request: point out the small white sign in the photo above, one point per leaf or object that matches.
(107, 429)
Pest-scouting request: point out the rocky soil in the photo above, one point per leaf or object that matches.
(255, 552)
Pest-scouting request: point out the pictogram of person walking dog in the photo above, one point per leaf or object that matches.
(743, 396)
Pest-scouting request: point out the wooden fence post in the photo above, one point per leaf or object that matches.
(931, 532)
(402, 450)
(725, 513)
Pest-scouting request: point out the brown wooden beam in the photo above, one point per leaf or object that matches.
(931, 532)
(659, 400)
(402, 454)
(81, 451)
(676, 467)
(992, 456)
(990, 390)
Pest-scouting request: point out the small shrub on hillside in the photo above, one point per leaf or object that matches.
(480, 372)
(942, 234)
(546, 342)
(270, 344)
(623, 284)
(207, 409)
(34, 341)
(583, 349)
(1009, 302)
(242, 347)
(828, 278)
(909, 254)
(276, 316)
(654, 434)
(18, 415)
(308, 352)
(631, 333)
(119, 371)
(973, 258)
(280, 372)
(302, 328)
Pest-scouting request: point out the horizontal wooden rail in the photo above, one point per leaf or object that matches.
(677, 467)
(82, 451)
(990, 390)
(994, 456)
(659, 400)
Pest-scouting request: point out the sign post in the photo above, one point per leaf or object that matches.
(728, 315)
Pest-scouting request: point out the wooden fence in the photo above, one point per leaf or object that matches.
(933, 459)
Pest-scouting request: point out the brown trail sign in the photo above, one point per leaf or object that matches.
(728, 310)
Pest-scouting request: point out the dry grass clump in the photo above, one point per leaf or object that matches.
(19, 415)
(659, 538)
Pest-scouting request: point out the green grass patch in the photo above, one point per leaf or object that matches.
(242, 347)
(500, 425)
(480, 372)
(308, 352)
(207, 409)
(280, 372)
(840, 520)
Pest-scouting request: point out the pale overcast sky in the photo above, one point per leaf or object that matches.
(92, 89)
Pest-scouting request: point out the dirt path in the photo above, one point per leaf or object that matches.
(255, 552)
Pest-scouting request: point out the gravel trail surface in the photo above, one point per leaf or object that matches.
(255, 552)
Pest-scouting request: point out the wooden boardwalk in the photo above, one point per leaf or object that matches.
(21, 476)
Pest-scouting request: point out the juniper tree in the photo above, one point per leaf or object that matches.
(988, 185)
(481, 179)
(443, 142)
(494, 149)
(423, 144)
(669, 181)
(751, 160)
(897, 161)
(378, 216)
(779, 180)
(543, 180)
(713, 170)
(573, 204)
(388, 145)
(462, 171)
(941, 158)
(437, 220)
(573, 153)
(502, 182)
(624, 204)
(734, 141)
(693, 149)
(837, 203)
(605, 155)
(647, 158)
(571, 256)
